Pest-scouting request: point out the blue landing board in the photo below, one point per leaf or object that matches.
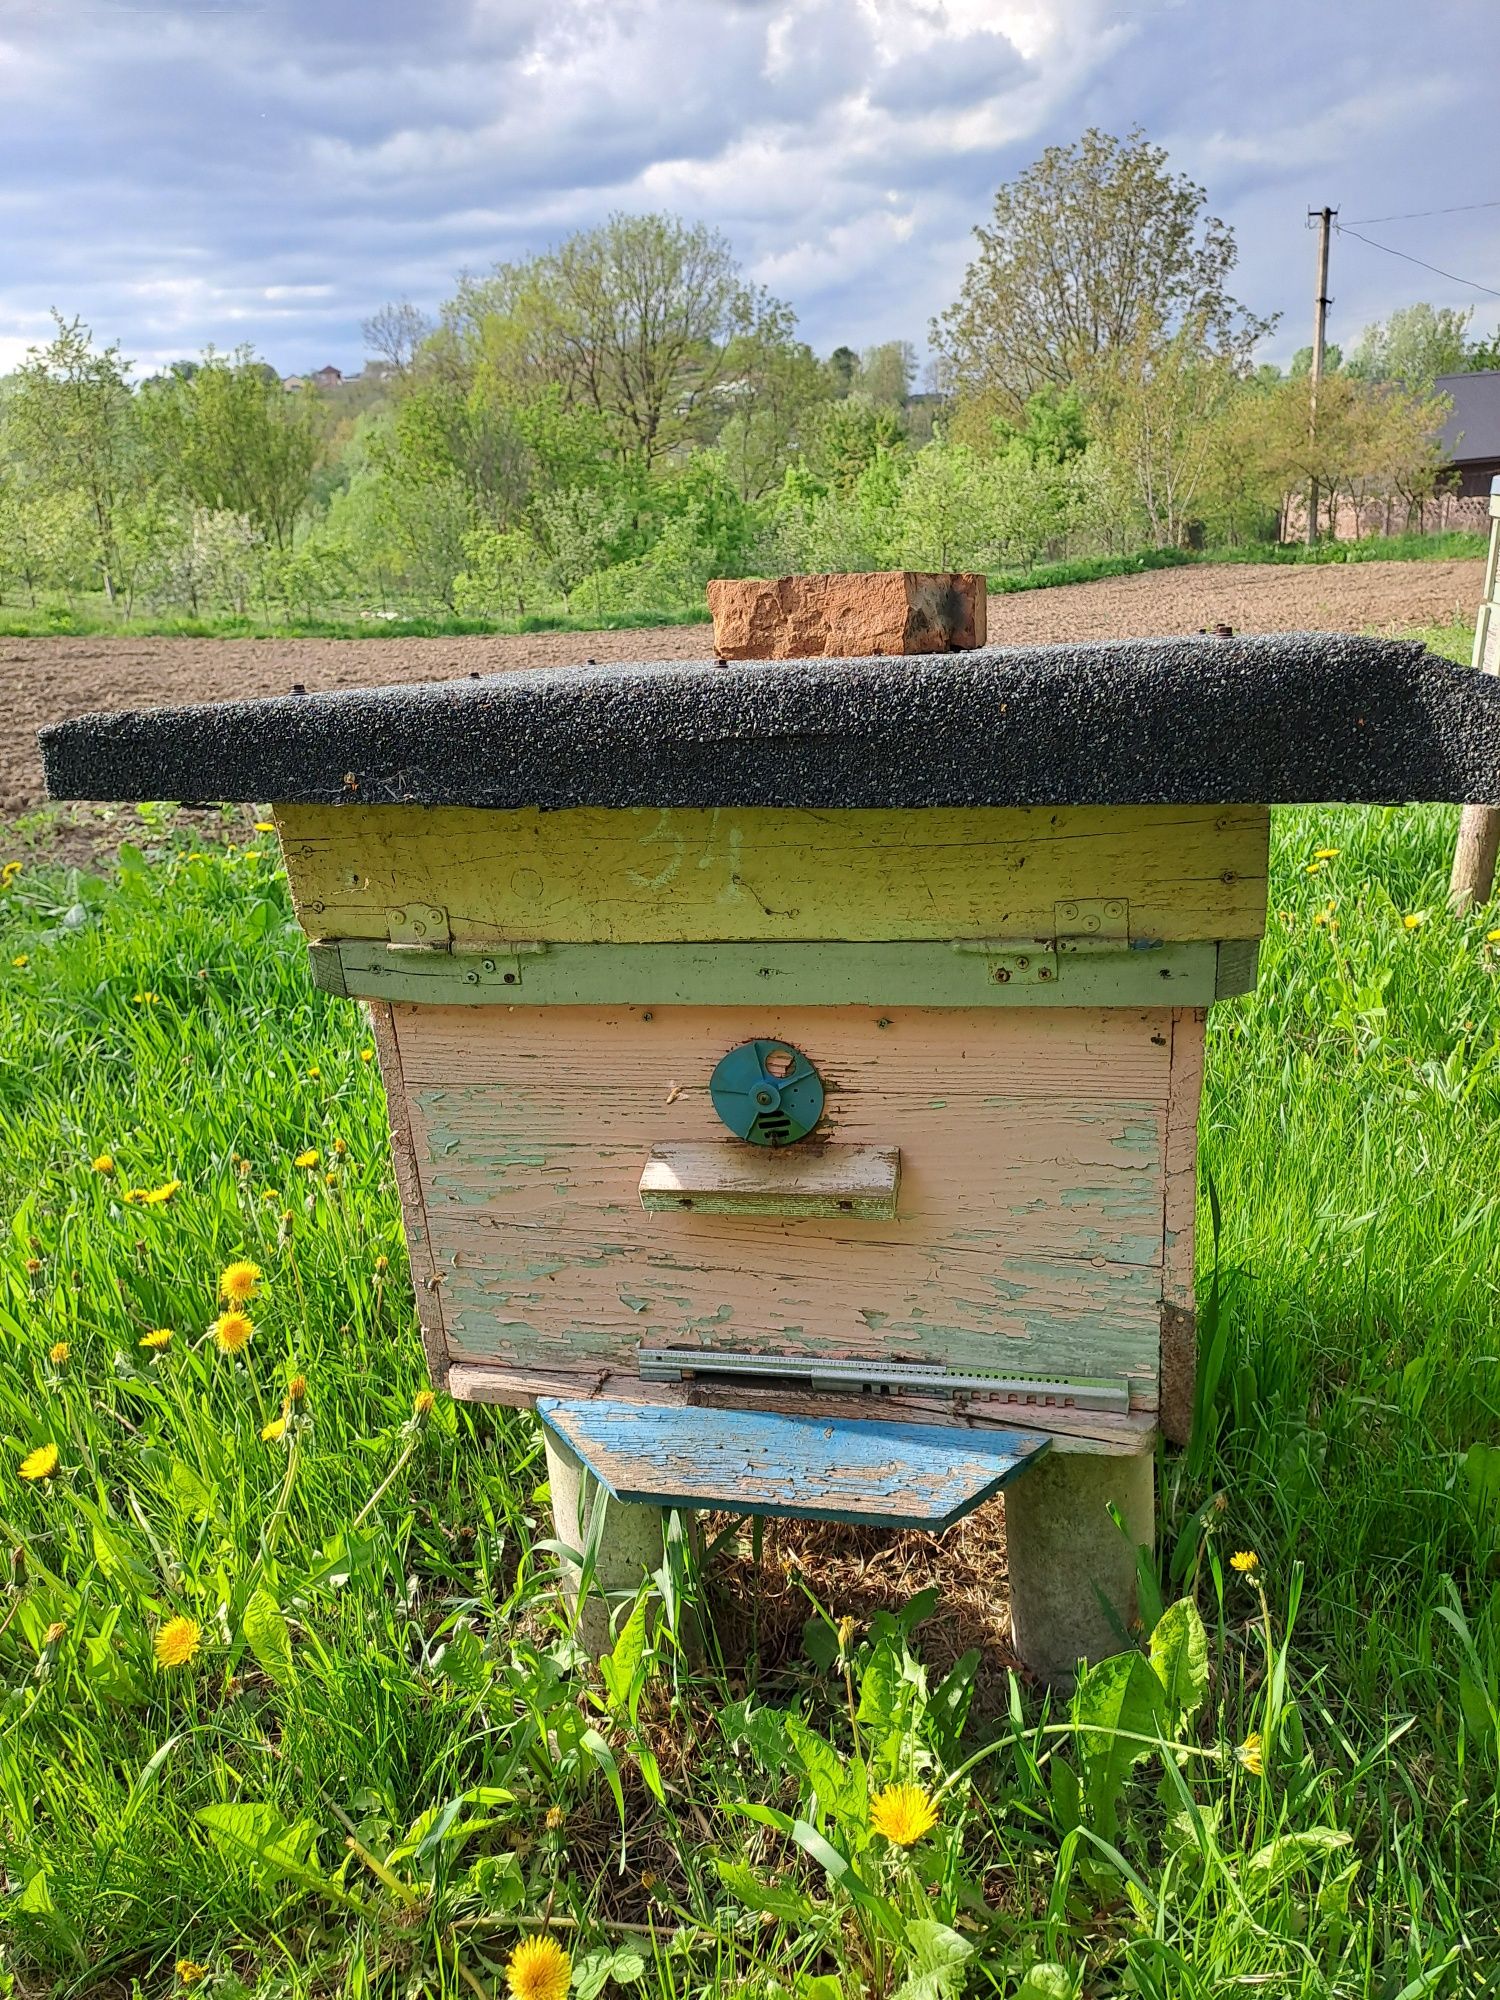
(886, 1475)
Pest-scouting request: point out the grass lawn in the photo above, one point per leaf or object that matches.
(384, 1763)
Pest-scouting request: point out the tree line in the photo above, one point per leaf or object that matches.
(601, 428)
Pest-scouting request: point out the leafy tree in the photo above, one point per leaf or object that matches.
(772, 389)
(395, 333)
(846, 437)
(233, 441)
(72, 422)
(634, 320)
(1414, 346)
(887, 372)
(843, 370)
(1159, 405)
(1091, 245)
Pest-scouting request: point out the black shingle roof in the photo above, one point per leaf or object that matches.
(1292, 717)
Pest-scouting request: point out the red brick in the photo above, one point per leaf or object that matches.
(891, 611)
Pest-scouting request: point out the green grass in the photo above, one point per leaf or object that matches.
(65, 620)
(93, 616)
(1453, 543)
(382, 1659)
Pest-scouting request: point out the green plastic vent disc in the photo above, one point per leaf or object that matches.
(768, 1093)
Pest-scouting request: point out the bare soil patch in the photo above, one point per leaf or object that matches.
(46, 680)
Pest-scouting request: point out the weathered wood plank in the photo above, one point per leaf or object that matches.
(864, 1470)
(896, 1064)
(1089, 1431)
(1029, 1234)
(648, 875)
(1179, 1332)
(424, 1273)
(914, 974)
(729, 1178)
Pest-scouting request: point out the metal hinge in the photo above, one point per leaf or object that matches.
(1097, 923)
(1091, 923)
(418, 927)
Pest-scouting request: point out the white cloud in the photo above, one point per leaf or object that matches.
(273, 172)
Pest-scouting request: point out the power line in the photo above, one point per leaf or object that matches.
(1419, 214)
(1437, 269)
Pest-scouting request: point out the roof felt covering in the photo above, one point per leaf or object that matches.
(1292, 717)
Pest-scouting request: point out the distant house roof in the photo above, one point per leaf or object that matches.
(1472, 431)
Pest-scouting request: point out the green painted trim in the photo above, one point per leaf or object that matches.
(737, 975)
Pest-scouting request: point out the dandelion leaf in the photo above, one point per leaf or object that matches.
(266, 1633)
(1179, 1653)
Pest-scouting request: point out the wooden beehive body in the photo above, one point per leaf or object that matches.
(1009, 1002)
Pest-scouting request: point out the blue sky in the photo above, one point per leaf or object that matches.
(186, 171)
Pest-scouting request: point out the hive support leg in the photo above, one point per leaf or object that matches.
(1063, 1549)
(630, 1545)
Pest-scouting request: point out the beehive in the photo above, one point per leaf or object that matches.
(989, 899)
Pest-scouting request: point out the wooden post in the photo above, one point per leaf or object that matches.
(1320, 324)
(1473, 879)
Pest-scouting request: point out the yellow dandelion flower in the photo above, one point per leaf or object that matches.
(330, 1179)
(144, 999)
(41, 1463)
(176, 1642)
(341, 1146)
(58, 1353)
(1251, 1754)
(239, 1281)
(273, 1432)
(55, 1633)
(154, 1197)
(190, 1972)
(296, 1389)
(1314, 868)
(307, 1159)
(903, 1813)
(423, 1403)
(103, 1164)
(9, 873)
(382, 1265)
(20, 960)
(161, 1337)
(1325, 854)
(556, 1819)
(265, 826)
(233, 1331)
(539, 1969)
(367, 1055)
(313, 1071)
(1492, 937)
(1244, 1560)
(269, 1194)
(252, 854)
(1414, 919)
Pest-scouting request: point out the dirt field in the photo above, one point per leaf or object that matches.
(44, 680)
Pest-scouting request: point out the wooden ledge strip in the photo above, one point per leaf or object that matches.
(732, 1178)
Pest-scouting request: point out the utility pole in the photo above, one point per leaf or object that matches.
(1479, 829)
(1320, 327)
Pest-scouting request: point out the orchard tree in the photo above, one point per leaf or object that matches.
(1092, 245)
(72, 423)
(232, 440)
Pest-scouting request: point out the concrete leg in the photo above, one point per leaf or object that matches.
(1061, 1543)
(630, 1548)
